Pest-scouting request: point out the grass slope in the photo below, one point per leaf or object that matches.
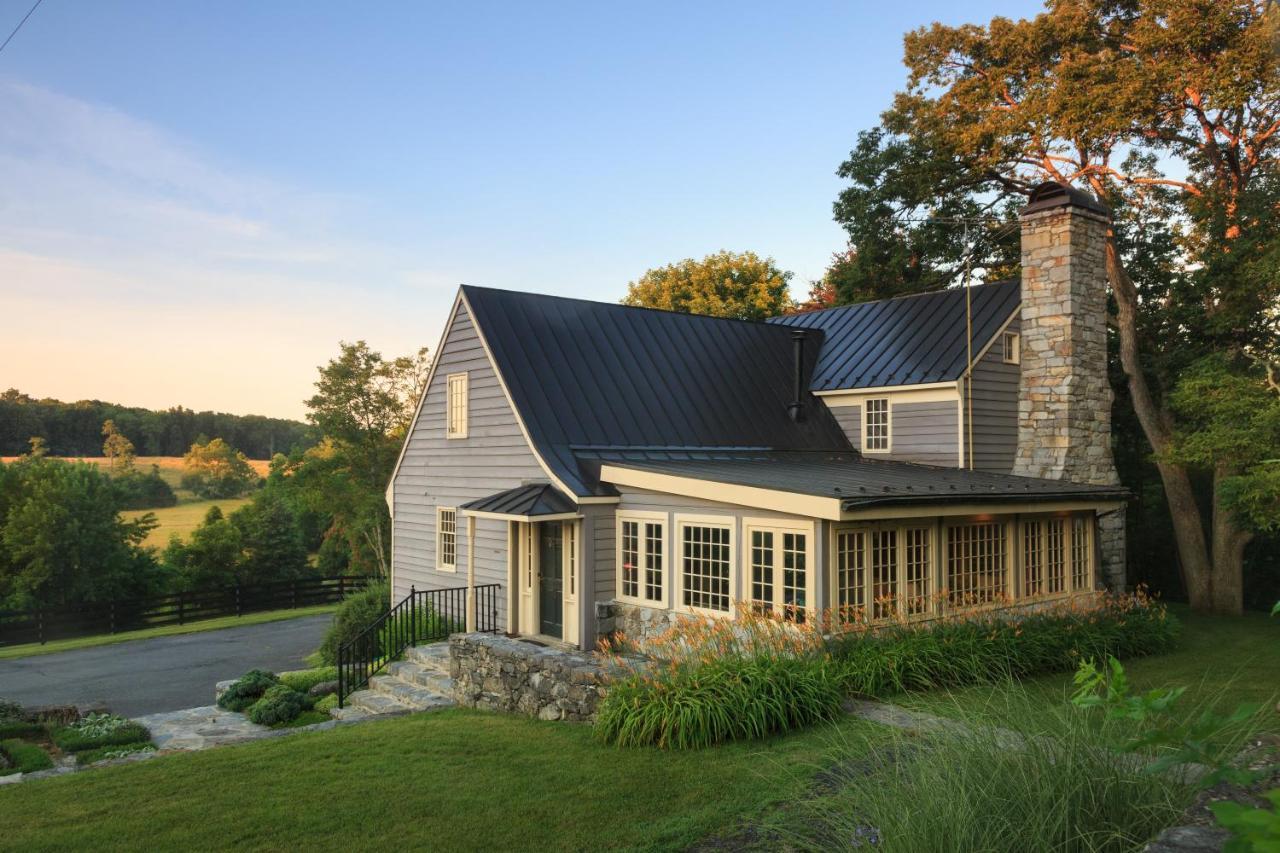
(184, 518)
(32, 649)
(448, 780)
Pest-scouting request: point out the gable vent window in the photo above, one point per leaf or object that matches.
(456, 407)
(1012, 348)
(876, 426)
(446, 539)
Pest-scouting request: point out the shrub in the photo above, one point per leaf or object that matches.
(22, 757)
(327, 704)
(106, 753)
(693, 706)
(355, 614)
(10, 710)
(19, 728)
(303, 680)
(982, 648)
(144, 491)
(98, 730)
(247, 689)
(279, 704)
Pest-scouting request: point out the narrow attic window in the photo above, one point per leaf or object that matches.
(875, 427)
(456, 407)
(446, 539)
(1012, 345)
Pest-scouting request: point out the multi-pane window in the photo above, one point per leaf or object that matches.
(1044, 557)
(1081, 554)
(884, 573)
(640, 560)
(918, 568)
(446, 538)
(851, 573)
(795, 571)
(571, 555)
(762, 570)
(456, 406)
(705, 566)
(875, 427)
(977, 560)
(1012, 345)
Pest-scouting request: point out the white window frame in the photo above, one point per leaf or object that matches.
(888, 424)
(640, 519)
(778, 527)
(441, 565)
(457, 393)
(1011, 348)
(899, 527)
(727, 522)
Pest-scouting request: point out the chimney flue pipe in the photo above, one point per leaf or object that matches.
(796, 409)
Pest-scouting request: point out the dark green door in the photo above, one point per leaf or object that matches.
(551, 578)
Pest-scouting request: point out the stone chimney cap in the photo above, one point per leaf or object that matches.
(1052, 194)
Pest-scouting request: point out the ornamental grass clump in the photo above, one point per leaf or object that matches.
(721, 680)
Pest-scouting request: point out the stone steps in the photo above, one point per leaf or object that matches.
(421, 682)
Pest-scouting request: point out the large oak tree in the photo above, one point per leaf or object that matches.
(1170, 111)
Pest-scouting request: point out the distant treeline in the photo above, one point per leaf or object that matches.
(75, 429)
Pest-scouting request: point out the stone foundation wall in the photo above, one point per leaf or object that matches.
(1113, 549)
(504, 674)
(637, 623)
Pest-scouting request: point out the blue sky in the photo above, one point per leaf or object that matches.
(198, 201)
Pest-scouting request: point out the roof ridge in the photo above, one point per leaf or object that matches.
(765, 323)
(904, 296)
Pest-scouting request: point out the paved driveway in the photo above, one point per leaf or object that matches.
(161, 674)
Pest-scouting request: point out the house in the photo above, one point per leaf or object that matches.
(614, 467)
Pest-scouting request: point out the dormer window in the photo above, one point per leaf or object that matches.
(1012, 348)
(876, 426)
(456, 406)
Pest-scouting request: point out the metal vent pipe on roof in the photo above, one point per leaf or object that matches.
(796, 409)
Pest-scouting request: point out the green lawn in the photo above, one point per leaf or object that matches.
(466, 780)
(449, 780)
(184, 518)
(31, 649)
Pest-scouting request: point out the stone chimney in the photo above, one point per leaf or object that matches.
(1064, 398)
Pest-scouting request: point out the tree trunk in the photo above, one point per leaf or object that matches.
(1229, 541)
(1188, 526)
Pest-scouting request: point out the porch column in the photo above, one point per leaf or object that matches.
(471, 573)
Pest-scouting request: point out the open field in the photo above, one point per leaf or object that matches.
(469, 780)
(170, 470)
(184, 518)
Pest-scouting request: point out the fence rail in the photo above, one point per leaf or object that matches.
(112, 617)
(424, 616)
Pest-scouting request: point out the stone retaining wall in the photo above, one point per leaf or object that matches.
(503, 674)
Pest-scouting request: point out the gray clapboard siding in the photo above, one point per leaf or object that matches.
(921, 432)
(995, 409)
(439, 472)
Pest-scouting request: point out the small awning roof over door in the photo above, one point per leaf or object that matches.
(536, 502)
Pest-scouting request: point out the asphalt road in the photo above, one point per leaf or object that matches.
(161, 674)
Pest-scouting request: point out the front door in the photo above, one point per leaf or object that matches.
(551, 579)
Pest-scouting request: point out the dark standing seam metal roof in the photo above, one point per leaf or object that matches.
(860, 482)
(593, 374)
(910, 340)
(531, 500)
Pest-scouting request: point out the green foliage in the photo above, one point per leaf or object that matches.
(691, 707)
(144, 491)
(11, 728)
(106, 753)
(100, 730)
(279, 704)
(23, 757)
(215, 469)
(1007, 779)
(327, 704)
(725, 284)
(986, 649)
(1252, 830)
(358, 612)
(75, 429)
(303, 680)
(63, 540)
(118, 449)
(210, 557)
(258, 543)
(247, 689)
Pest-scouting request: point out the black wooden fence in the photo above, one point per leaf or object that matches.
(111, 617)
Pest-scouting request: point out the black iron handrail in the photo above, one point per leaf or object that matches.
(425, 615)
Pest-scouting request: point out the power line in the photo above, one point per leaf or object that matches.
(20, 23)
